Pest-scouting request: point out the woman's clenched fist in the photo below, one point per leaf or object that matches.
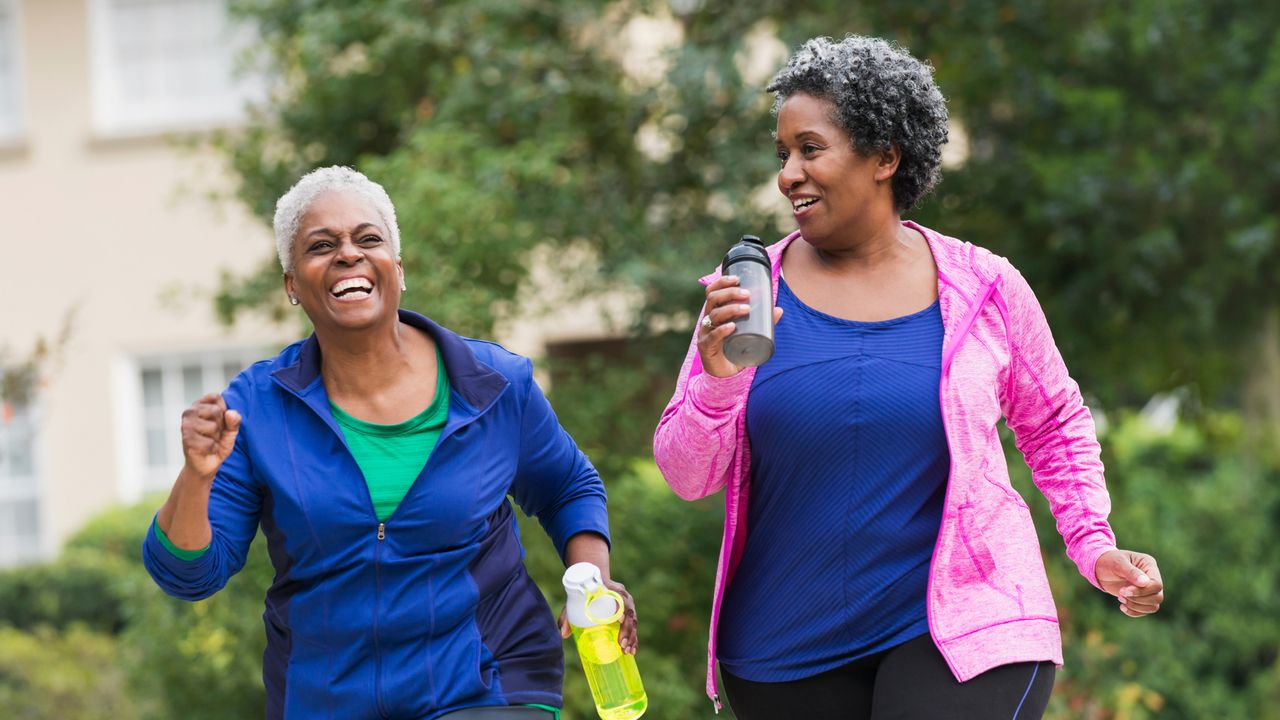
(209, 432)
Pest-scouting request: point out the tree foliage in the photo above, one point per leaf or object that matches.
(1123, 156)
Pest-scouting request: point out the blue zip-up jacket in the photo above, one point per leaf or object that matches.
(429, 612)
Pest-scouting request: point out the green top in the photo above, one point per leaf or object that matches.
(392, 456)
(177, 551)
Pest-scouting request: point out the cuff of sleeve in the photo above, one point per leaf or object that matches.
(582, 516)
(717, 393)
(174, 550)
(1088, 563)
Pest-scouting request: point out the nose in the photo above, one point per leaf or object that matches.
(349, 253)
(790, 174)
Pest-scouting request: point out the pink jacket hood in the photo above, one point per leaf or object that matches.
(988, 599)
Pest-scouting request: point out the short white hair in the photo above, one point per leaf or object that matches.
(294, 204)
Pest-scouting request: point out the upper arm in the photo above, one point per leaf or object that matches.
(554, 480)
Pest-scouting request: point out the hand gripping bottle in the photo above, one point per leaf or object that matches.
(594, 616)
(751, 343)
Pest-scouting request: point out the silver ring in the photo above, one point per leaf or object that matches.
(706, 322)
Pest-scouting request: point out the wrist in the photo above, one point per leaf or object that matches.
(193, 476)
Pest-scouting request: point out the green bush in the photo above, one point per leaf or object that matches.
(198, 660)
(664, 551)
(1211, 516)
(78, 589)
(74, 674)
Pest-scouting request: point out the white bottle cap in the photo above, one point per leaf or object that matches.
(580, 580)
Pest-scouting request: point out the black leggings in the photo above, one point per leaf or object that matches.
(907, 682)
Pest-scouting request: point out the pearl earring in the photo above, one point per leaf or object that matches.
(403, 287)
(293, 300)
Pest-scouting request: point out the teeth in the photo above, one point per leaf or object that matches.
(349, 283)
(799, 205)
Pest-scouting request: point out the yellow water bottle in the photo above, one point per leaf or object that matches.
(595, 615)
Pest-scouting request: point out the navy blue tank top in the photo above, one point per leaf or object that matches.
(849, 467)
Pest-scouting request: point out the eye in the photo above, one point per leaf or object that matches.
(782, 156)
(809, 149)
(319, 246)
(370, 239)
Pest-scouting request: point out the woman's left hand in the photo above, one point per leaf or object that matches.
(627, 637)
(1134, 578)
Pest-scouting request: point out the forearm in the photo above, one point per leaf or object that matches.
(588, 547)
(184, 517)
(697, 436)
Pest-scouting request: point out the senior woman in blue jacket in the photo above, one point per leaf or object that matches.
(377, 456)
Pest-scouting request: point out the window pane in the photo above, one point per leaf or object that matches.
(174, 61)
(8, 71)
(192, 384)
(25, 518)
(152, 389)
(18, 448)
(230, 370)
(156, 446)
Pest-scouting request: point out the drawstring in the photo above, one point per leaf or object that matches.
(967, 324)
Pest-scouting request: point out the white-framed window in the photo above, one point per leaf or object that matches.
(161, 388)
(20, 538)
(11, 124)
(162, 65)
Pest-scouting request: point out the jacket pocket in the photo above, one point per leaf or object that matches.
(1004, 487)
(984, 567)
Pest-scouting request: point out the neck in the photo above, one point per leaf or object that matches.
(882, 242)
(362, 361)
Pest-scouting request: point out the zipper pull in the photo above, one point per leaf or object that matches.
(382, 531)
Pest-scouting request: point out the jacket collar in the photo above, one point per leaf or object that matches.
(961, 290)
(475, 383)
(951, 257)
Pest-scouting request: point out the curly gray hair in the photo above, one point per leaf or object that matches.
(294, 204)
(882, 96)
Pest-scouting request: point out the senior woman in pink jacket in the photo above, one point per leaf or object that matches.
(876, 561)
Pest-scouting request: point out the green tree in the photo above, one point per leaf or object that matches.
(1123, 156)
(492, 128)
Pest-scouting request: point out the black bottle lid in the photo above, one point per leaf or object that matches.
(748, 249)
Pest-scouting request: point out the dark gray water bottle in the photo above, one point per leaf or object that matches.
(751, 343)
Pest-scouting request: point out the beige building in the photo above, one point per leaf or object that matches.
(107, 222)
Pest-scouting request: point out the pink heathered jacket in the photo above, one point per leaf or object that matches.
(988, 598)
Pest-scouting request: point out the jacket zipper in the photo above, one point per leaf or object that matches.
(377, 610)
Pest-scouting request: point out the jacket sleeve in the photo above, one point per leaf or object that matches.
(1054, 429)
(555, 481)
(235, 506)
(697, 436)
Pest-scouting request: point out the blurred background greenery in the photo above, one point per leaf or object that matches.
(1124, 155)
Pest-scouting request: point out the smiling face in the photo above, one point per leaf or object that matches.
(345, 274)
(836, 193)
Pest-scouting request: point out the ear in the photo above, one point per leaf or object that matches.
(289, 289)
(888, 163)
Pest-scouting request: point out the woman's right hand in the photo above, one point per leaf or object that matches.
(725, 302)
(209, 432)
